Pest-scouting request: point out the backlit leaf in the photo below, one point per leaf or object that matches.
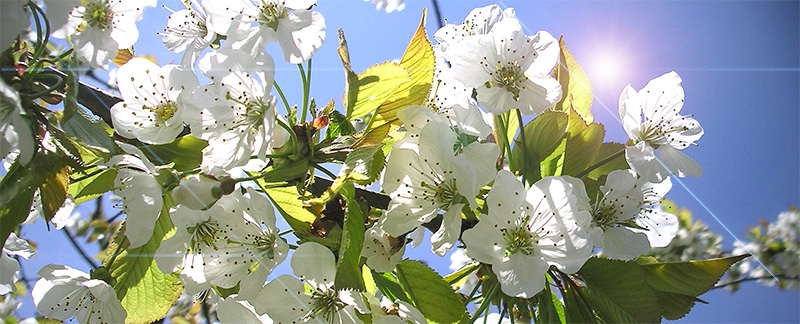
(431, 294)
(577, 90)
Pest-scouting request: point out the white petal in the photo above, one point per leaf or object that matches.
(521, 275)
(623, 244)
(233, 310)
(314, 263)
(283, 299)
(680, 164)
(484, 242)
(142, 203)
(505, 199)
(446, 237)
(300, 35)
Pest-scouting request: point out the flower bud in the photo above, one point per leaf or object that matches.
(198, 192)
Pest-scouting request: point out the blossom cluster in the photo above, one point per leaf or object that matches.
(448, 169)
(777, 246)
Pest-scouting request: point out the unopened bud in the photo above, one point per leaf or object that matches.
(320, 122)
(198, 192)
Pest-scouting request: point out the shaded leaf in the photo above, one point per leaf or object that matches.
(607, 309)
(186, 152)
(549, 309)
(93, 186)
(610, 156)
(679, 283)
(431, 294)
(623, 284)
(53, 192)
(543, 138)
(582, 145)
(90, 131)
(348, 270)
(387, 284)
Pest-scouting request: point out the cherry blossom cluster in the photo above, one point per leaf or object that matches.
(446, 169)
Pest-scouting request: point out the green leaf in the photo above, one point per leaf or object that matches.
(388, 286)
(338, 126)
(610, 156)
(419, 61)
(20, 183)
(373, 87)
(145, 292)
(456, 279)
(93, 186)
(549, 309)
(291, 206)
(679, 283)
(576, 309)
(607, 309)
(623, 284)
(364, 164)
(543, 138)
(577, 90)
(348, 269)
(431, 294)
(186, 152)
(583, 142)
(90, 131)
(53, 192)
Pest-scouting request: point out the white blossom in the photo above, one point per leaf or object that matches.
(187, 31)
(382, 251)
(388, 5)
(9, 267)
(627, 220)
(97, 28)
(286, 299)
(16, 131)
(479, 21)
(14, 19)
(249, 25)
(140, 192)
(235, 310)
(651, 119)
(63, 292)
(525, 233)
(153, 109)
(508, 69)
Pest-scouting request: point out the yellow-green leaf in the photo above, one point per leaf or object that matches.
(373, 87)
(144, 291)
(93, 186)
(53, 192)
(419, 61)
(575, 85)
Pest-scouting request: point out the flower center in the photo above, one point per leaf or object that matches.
(164, 111)
(326, 304)
(266, 245)
(204, 233)
(98, 14)
(509, 77)
(445, 193)
(271, 14)
(604, 215)
(520, 238)
(254, 115)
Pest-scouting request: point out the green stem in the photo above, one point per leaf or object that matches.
(117, 252)
(292, 136)
(280, 94)
(599, 164)
(42, 41)
(87, 176)
(505, 146)
(485, 303)
(305, 92)
(524, 148)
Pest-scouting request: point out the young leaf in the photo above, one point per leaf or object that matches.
(610, 156)
(456, 279)
(53, 192)
(577, 90)
(186, 152)
(348, 270)
(373, 87)
(364, 164)
(93, 186)
(543, 138)
(145, 292)
(291, 206)
(431, 294)
(89, 131)
(583, 142)
(418, 60)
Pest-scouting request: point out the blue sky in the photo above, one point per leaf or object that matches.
(740, 64)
